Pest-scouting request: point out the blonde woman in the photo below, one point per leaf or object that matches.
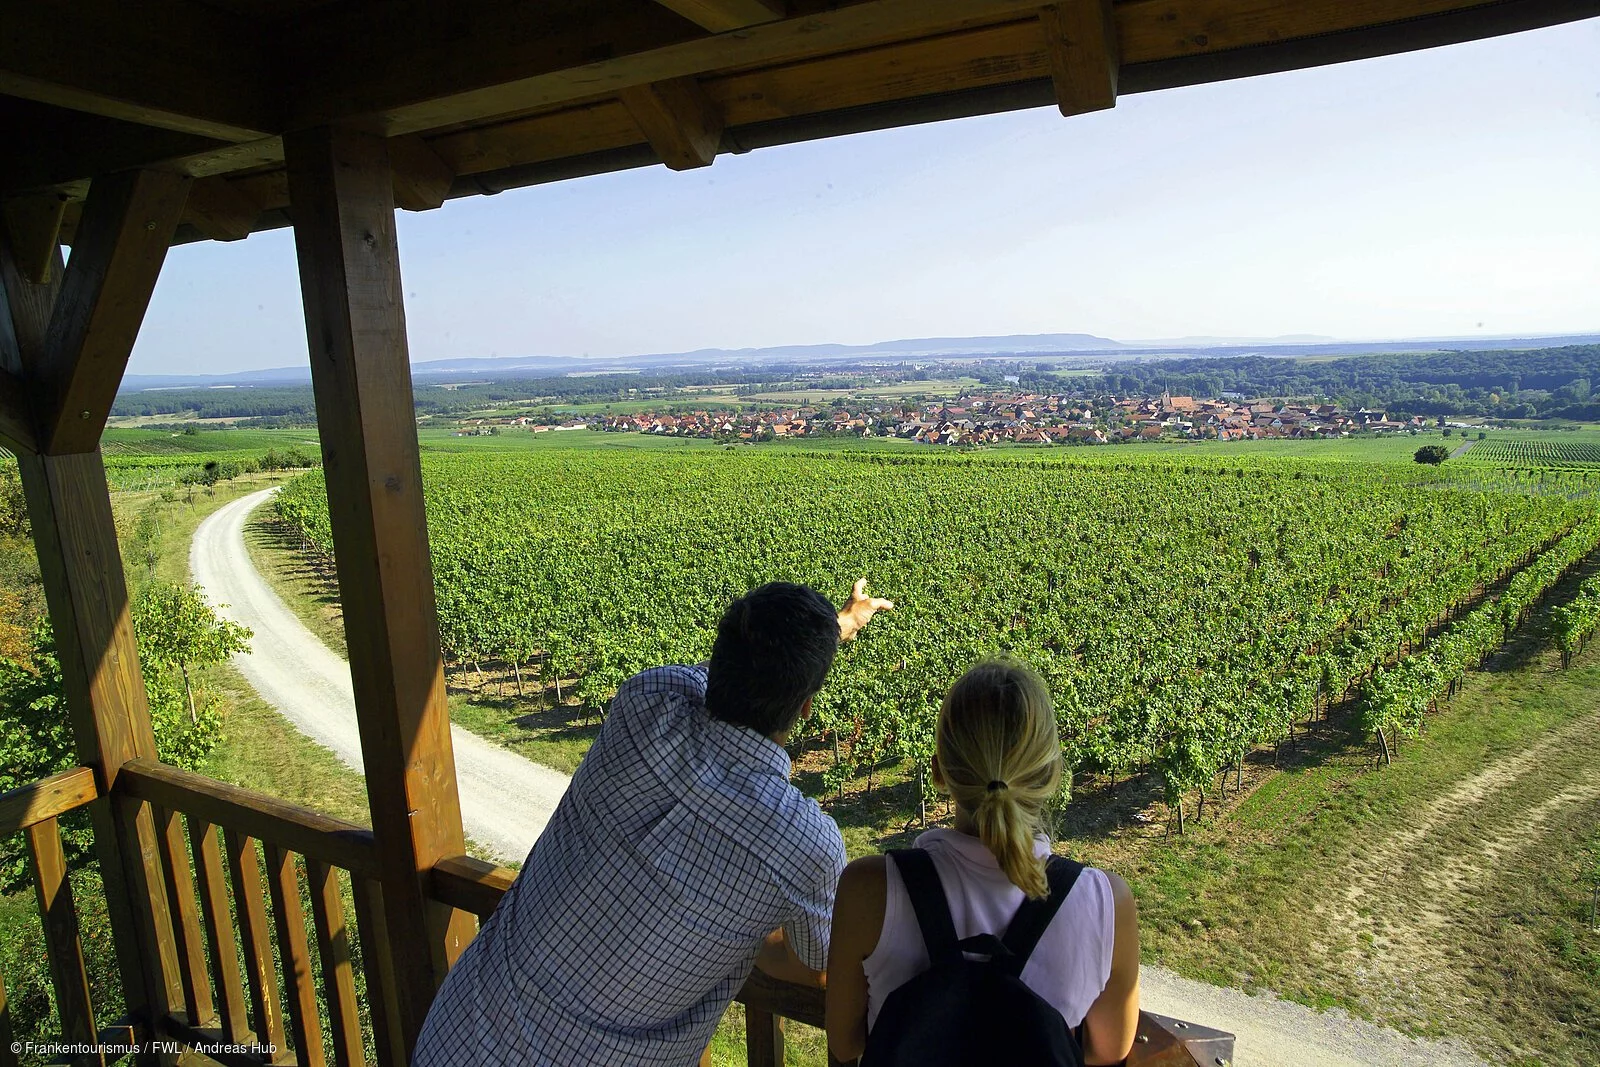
(998, 755)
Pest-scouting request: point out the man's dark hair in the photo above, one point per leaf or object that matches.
(774, 647)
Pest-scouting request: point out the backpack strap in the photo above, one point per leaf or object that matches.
(922, 884)
(1029, 923)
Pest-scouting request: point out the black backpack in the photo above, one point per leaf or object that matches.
(961, 1012)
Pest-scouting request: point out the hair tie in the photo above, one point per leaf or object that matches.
(997, 785)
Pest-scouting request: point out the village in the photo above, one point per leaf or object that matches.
(984, 418)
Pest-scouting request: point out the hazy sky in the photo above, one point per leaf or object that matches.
(1454, 191)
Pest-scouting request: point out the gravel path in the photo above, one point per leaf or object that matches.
(505, 799)
(1280, 1033)
(310, 686)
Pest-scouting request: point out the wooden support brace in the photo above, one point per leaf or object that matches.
(720, 15)
(1081, 43)
(341, 192)
(33, 224)
(679, 120)
(421, 178)
(119, 247)
(221, 209)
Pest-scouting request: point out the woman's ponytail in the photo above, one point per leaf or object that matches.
(1000, 757)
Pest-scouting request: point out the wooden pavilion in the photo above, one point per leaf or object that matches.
(135, 125)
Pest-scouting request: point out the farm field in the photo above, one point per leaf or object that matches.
(1542, 450)
(1181, 615)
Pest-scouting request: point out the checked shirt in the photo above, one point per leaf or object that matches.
(678, 847)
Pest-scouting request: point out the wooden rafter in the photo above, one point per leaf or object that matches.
(421, 178)
(121, 243)
(681, 123)
(176, 64)
(33, 223)
(720, 15)
(221, 209)
(1081, 43)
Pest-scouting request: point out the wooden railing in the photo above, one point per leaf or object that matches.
(268, 846)
(255, 992)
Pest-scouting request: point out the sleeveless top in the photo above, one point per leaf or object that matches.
(1072, 962)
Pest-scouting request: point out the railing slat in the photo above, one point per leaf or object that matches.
(244, 867)
(289, 916)
(186, 920)
(338, 975)
(47, 798)
(65, 949)
(763, 1038)
(7, 1057)
(378, 965)
(219, 929)
(245, 811)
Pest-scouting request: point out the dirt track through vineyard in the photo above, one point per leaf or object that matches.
(1416, 901)
(505, 799)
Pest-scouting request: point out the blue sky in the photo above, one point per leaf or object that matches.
(1454, 191)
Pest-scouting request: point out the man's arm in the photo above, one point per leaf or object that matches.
(777, 959)
(859, 611)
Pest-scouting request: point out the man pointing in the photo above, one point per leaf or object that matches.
(679, 856)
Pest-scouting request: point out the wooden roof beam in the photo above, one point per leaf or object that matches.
(421, 179)
(721, 15)
(492, 60)
(1081, 44)
(221, 209)
(679, 120)
(33, 223)
(178, 64)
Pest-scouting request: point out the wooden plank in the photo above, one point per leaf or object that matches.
(219, 930)
(8, 1055)
(179, 1030)
(33, 224)
(244, 870)
(421, 178)
(118, 249)
(186, 919)
(1081, 41)
(492, 60)
(338, 974)
(259, 815)
(221, 209)
(471, 884)
(762, 992)
(377, 963)
(720, 15)
(175, 64)
(53, 150)
(25, 317)
(283, 879)
(763, 1038)
(678, 119)
(342, 198)
(65, 950)
(45, 799)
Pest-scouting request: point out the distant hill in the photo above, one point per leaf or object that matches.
(1028, 345)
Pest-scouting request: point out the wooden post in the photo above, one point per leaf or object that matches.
(68, 341)
(341, 192)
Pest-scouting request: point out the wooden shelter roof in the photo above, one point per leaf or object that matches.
(477, 97)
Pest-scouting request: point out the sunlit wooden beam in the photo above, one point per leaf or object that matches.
(1081, 44)
(678, 119)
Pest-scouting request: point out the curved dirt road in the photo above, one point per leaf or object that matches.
(505, 799)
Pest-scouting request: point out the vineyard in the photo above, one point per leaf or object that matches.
(1181, 615)
(1514, 452)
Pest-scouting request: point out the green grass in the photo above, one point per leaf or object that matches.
(120, 442)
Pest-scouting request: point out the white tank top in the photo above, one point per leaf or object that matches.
(1072, 962)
